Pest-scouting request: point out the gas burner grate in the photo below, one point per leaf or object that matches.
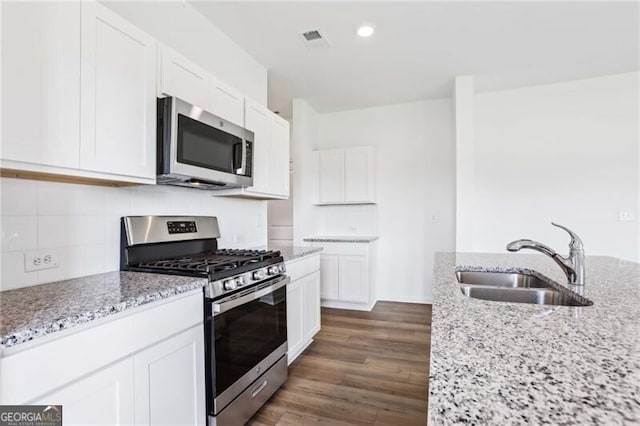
(212, 262)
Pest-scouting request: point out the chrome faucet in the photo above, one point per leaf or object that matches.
(572, 266)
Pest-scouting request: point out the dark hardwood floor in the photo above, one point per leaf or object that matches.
(369, 368)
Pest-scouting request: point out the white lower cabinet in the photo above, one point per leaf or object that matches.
(169, 380)
(144, 367)
(347, 273)
(105, 397)
(303, 304)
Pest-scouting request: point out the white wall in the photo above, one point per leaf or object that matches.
(81, 222)
(304, 139)
(415, 213)
(180, 26)
(464, 108)
(566, 152)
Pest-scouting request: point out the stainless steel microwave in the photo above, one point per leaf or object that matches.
(200, 150)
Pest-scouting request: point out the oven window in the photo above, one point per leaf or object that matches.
(245, 335)
(205, 146)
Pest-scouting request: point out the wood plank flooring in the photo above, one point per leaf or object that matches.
(368, 368)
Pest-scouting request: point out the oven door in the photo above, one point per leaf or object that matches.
(246, 334)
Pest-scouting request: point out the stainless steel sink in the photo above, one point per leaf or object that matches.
(514, 288)
(535, 296)
(501, 279)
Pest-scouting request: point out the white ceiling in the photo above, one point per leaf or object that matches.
(419, 47)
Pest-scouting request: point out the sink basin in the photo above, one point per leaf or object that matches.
(513, 287)
(535, 296)
(501, 279)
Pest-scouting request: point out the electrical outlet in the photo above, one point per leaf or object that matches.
(625, 216)
(38, 260)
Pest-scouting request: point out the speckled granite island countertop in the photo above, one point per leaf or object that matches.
(290, 252)
(33, 312)
(497, 363)
(341, 239)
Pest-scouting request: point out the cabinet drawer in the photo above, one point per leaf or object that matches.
(298, 268)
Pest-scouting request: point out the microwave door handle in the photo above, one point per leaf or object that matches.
(238, 157)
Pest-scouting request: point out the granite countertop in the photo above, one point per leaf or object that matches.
(516, 363)
(341, 239)
(32, 312)
(291, 252)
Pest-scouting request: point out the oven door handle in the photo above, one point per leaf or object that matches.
(223, 306)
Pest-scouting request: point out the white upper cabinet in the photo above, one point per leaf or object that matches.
(279, 157)
(118, 80)
(258, 120)
(78, 92)
(183, 79)
(40, 45)
(270, 168)
(227, 102)
(346, 176)
(359, 179)
(331, 169)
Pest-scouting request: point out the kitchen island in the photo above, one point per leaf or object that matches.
(515, 363)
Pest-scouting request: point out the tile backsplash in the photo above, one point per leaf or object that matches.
(81, 223)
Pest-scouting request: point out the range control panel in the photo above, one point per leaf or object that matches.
(184, 227)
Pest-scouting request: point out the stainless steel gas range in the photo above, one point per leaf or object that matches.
(245, 307)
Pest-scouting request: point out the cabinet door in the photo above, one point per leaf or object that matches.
(354, 286)
(279, 156)
(40, 111)
(169, 381)
(118, 116)
(311, 306)
(258, 120)
(359, 179)
(331, 169)
(227, 102)
(295, 333)
(183, 79)
(105, 397)
(329, 276)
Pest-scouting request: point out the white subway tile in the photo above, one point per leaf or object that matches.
(87, 260)
(12, 274)
(117, 201)
(19, 197)
(89, 200)
(55, 198)
(88, 230)
(18, 233)
(112, 256)
(112, 229)
(55, 231)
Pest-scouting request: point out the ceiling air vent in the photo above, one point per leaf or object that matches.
(314, 39)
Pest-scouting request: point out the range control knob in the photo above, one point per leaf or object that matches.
(282, 268)
(273, 270)
(230, 284)
(259, 275)
(240, 281)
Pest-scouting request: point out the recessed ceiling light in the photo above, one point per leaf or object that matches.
(365, 31)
